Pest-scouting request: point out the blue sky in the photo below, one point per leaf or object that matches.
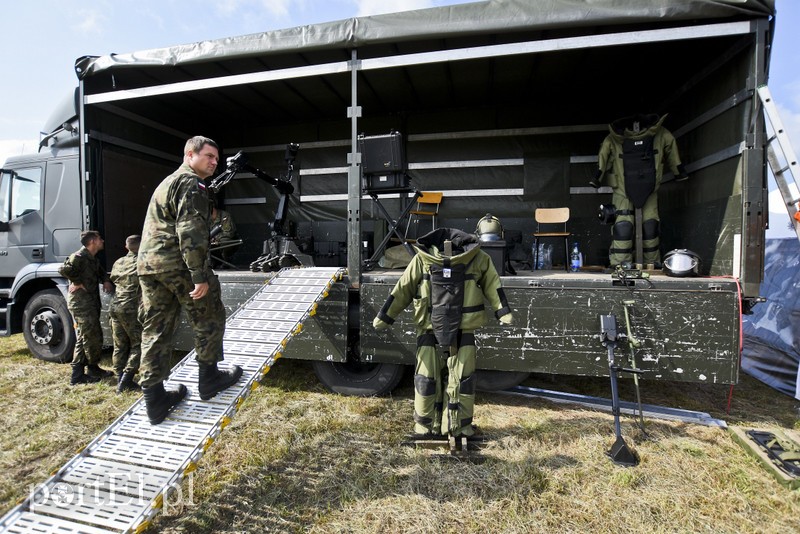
(42, 39)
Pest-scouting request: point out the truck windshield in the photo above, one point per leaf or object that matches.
(5, 184)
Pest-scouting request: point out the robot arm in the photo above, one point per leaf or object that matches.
(238, 163)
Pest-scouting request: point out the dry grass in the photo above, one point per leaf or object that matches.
(298, 459)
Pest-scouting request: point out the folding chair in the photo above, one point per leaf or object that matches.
(427, 206)
(551, 222)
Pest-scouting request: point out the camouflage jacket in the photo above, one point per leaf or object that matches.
(83, 268)
(175, 234)
(127, 294)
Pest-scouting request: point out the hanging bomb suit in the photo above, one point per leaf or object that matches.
(448, 294)
(631, 161)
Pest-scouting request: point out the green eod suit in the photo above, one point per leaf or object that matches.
(631, 161)
(448, 293)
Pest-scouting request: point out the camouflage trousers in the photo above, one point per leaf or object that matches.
(127, 332)
(163, 296)
(88, 336)
(623, 233)
(444, 386)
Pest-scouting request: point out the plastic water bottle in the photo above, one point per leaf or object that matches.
(575, 258)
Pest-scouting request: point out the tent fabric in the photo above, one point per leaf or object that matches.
(772, 333)
(501, 16)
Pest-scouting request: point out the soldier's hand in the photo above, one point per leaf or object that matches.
(75, 287)
(377, 324)
(108, 287)
(199, 291)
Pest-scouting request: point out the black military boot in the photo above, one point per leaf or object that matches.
(212, 380)
(80, 377)
(160, 401)
(94, 370)
(126, 382)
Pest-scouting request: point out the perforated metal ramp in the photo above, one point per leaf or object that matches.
(119, 482)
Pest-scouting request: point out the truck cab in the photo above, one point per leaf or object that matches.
(41, 218)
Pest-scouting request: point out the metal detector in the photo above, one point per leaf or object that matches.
(620, 452)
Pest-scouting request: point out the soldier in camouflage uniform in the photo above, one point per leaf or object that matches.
(174, 273)
(85, 274)
(124, 314)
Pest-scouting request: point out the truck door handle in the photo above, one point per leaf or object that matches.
(36, 253)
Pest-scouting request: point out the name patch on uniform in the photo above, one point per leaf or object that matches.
(446, 272)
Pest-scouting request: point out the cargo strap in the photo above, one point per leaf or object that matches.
(125, 476)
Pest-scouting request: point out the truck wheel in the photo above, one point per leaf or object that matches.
(359, 379)
(47, 327)
(490, 380)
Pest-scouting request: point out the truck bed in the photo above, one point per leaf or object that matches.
(689, 328)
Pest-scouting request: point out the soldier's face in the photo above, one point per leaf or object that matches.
(96, 245)
(204, 162)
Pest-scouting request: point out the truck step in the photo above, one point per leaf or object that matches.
(122, 479)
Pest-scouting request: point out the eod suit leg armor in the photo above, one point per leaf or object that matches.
(448, 293)
(631, 161)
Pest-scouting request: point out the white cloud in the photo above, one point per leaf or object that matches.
(90, 21)
(375, 7)
(16, 147)
(274, 8)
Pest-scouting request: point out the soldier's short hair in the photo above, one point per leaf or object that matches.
(132, 242)
(196, 144)
(88, 236)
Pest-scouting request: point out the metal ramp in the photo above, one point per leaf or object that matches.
(120, 481)
(782, 160)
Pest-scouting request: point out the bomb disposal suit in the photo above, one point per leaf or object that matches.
(448, 294)
(631, 161)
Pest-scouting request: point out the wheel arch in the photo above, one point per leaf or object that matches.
(25, 290)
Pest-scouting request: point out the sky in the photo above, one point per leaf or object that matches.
(43, 38)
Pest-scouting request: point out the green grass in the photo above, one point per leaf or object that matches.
(299, 459)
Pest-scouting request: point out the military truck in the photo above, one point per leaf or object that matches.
(501, 106)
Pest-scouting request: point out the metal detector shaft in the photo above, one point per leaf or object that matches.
(633, 343)
(620, 453)
(612, 371)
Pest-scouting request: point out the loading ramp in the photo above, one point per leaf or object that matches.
(119, 482)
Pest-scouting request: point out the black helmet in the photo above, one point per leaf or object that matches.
(489, 228)
(681, 262)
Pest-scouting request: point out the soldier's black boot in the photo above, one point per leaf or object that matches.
(95, 371)
(126, 382)
(160, 401)
(212, 380)
(80, 377)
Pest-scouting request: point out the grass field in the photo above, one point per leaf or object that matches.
(299, 459)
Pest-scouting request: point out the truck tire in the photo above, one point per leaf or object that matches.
(47, 327)
(490, 380)
(359, 379)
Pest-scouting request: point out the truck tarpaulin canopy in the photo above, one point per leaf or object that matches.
(502, 106)
(500, 16)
